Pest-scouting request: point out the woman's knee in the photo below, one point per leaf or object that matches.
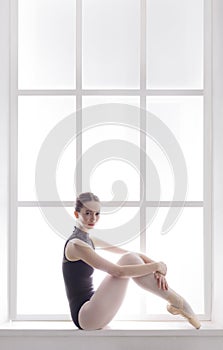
(130, 259)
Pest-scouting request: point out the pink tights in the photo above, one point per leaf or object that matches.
(104, 304)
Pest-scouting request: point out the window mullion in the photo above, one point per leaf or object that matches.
(207, 156)
(143, 175)
(107, 92)
(78, 179)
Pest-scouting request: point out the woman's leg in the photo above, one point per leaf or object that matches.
(177, 304)
(100, 310)
(106, 301)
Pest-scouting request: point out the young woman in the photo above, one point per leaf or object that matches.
(95, 309)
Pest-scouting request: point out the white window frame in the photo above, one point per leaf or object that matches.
(142, 92)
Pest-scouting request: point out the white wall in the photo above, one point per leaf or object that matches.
(24, 339)
(218, 158)
(4, 139)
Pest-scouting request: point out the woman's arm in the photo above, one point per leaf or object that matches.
(107, 246)
(161, 281)
(114, 249)
(77, 249)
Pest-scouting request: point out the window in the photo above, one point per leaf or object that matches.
(113, 97)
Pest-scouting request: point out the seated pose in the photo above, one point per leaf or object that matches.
(95, 309)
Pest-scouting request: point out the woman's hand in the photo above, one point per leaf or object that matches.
(162, 268)
(161, 281)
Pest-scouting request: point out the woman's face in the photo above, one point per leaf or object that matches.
(88, 215)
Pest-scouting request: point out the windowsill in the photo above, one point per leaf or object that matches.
(116, 328)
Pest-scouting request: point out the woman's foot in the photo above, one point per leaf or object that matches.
(191, 317)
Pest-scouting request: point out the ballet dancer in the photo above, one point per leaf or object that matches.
(95, 309)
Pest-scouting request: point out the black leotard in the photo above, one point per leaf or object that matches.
(78, 278)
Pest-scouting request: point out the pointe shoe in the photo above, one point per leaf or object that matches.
(179, 311)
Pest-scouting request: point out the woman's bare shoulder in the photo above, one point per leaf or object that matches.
(71, 251)
(78, 242)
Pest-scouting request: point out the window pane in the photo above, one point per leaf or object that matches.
(183, 116)
(175, 44)
(111, 43)
(182, 250)
(38, 116)
(46, 44)
(118, 225)
(111, 150)
(40, 250)
(97, 100)
(65, 180)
